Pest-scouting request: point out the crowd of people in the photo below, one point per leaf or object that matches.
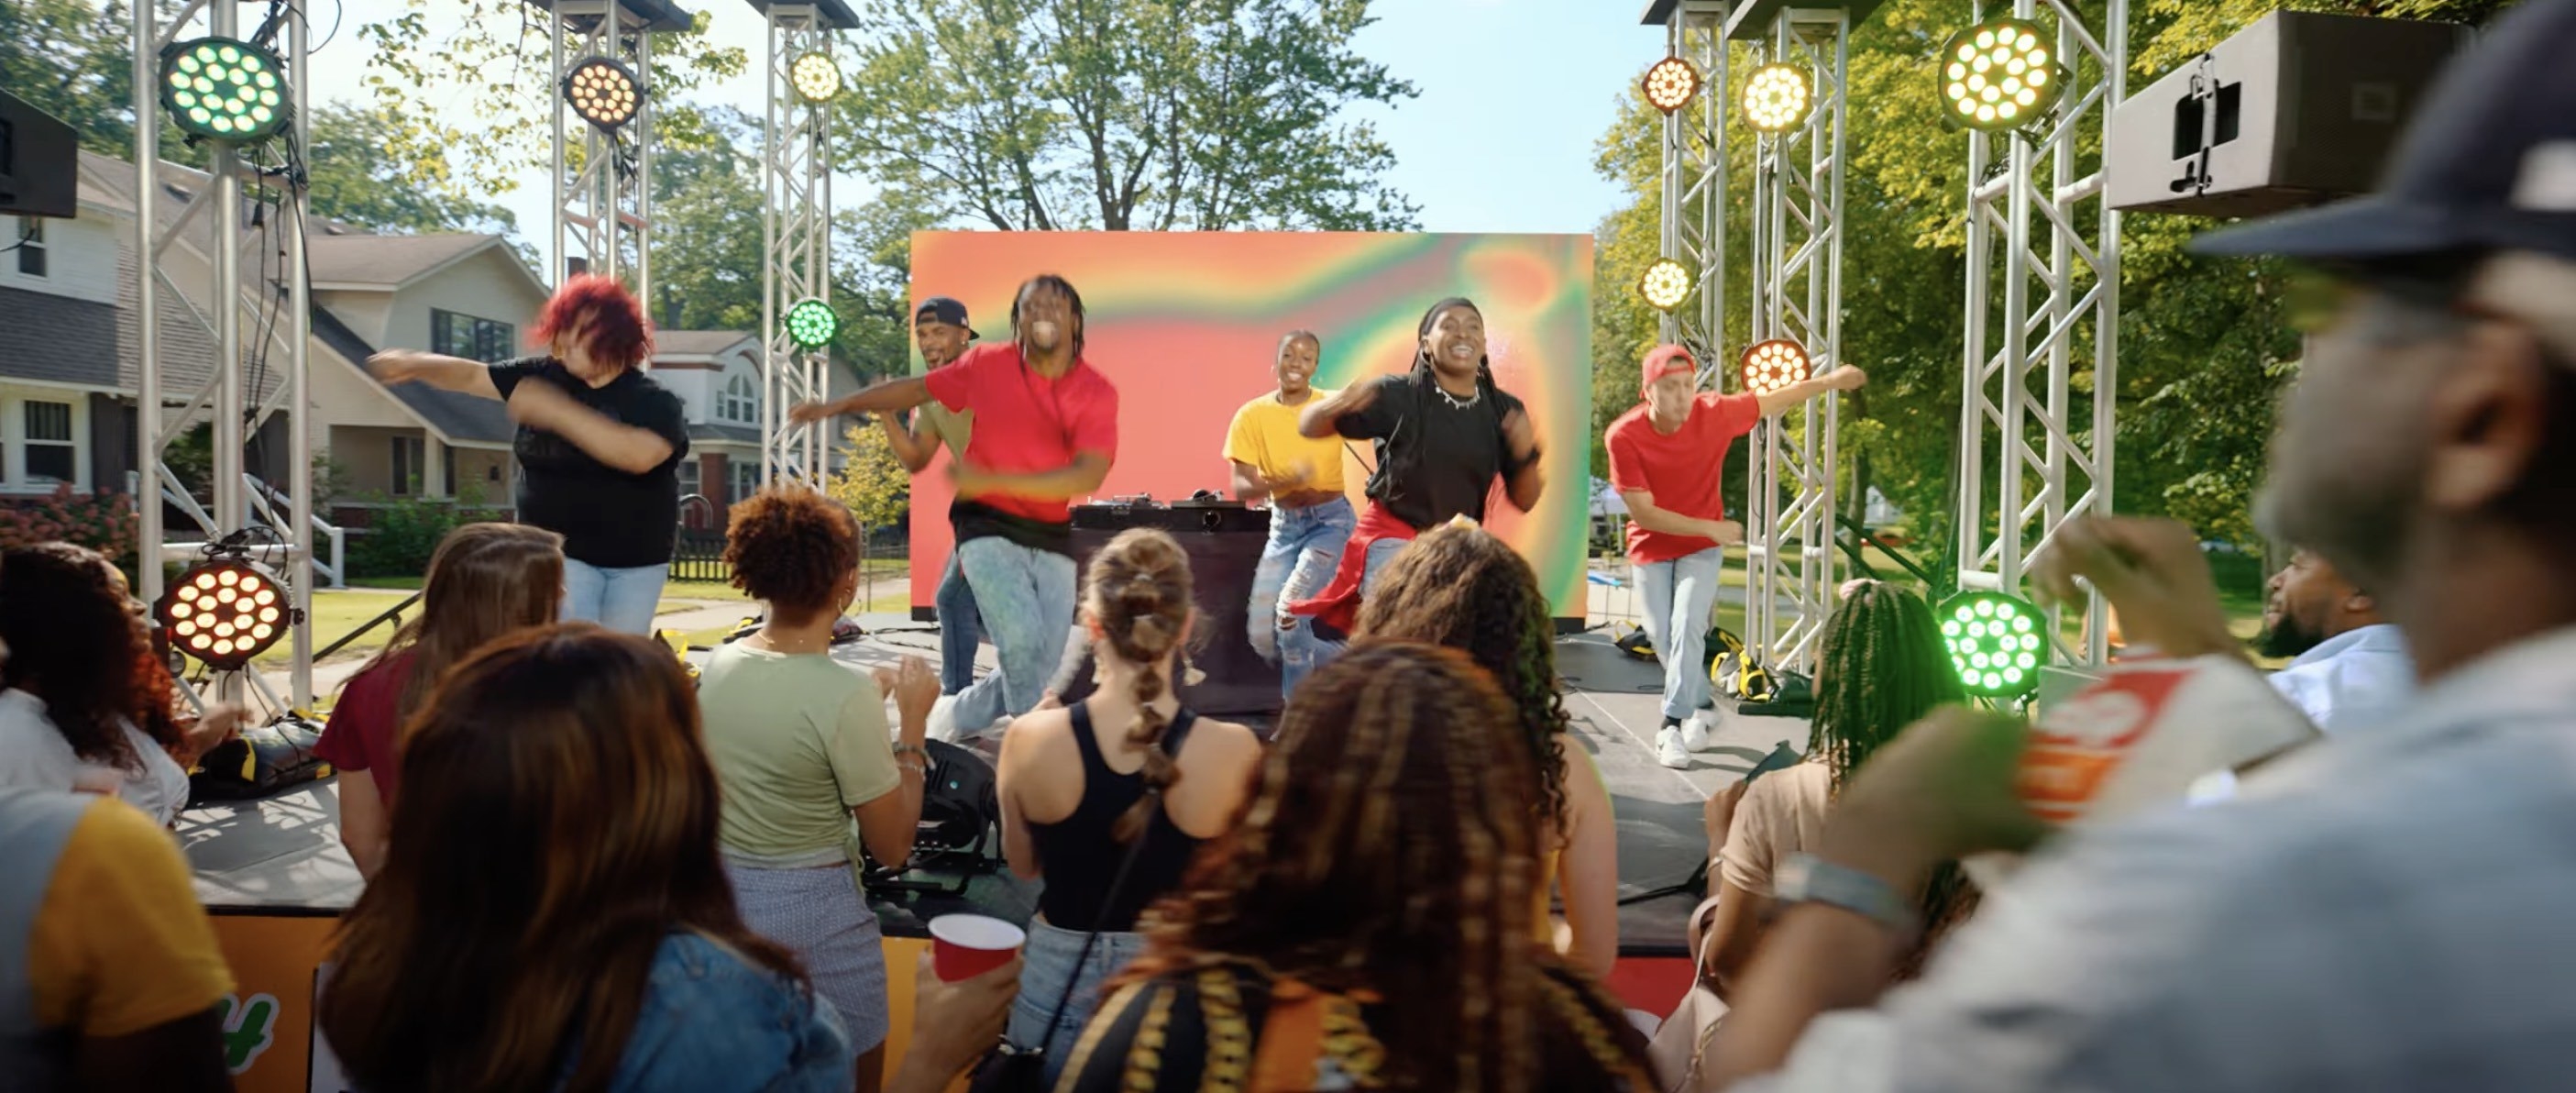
(586, 872)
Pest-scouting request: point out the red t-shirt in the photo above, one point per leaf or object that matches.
(1026, 423)
(1684, 471)
(360, 734)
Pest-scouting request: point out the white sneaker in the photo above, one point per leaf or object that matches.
(943, 719)
(1669, 750)
(1695, 733)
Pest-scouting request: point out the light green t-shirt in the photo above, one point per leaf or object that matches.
(953, 427)
(797, 742)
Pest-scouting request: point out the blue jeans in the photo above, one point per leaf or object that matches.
(1050, 955)
(623, 600)
(961, 629)
(1026, 599)
(1300, 657)
(1296, 563)
(1678, 596)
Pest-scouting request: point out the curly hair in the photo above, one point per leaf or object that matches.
(74, 643)
(620, 334)
(1387, 847)
(1138, 592)
(1463, 588)
(792, 547)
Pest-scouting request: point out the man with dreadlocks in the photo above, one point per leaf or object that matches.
(1444, 435)
(1667, 460)
(1046, 431)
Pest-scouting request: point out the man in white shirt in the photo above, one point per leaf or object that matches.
(2349, 666)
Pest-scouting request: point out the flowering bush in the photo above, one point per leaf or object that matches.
(104, 522)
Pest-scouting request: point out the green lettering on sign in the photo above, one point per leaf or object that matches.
(249, 1027)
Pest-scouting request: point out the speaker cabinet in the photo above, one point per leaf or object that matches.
(2298, 109)
(1224, 544)
(39, 162)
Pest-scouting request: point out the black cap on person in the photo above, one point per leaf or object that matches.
(942, 309)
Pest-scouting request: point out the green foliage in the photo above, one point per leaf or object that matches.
(873, 483)
(104, 522)
(402, 532)
(1123, 115)
(355, 179)
(73, 59)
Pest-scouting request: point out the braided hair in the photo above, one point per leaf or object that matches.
(1138, 593)
(1059, 284)
(1396, 466)
(1387, 847)
(1461, 587)
(1882, 668)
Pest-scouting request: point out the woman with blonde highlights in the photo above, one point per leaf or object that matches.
(1368, 924)
(552, 913)
(1127, 769)
(485, 581)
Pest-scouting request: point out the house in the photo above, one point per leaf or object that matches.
(716, 373)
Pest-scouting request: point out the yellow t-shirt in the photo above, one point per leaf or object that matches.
(1264, 436)
(120, 944)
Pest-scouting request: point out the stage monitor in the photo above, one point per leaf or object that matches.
(2296, 110)
(39, 161)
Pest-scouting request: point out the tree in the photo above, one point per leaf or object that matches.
(75, 60)
(354, 181)
(872, 484)
(707, 204)
(1122, 115)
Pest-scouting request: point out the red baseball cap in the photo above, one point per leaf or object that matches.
(1664, 360)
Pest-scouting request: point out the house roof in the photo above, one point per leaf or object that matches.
(724, 434)
(695, 343)
(386, 261)
(185, 346)
(56, 338)
(458, 418)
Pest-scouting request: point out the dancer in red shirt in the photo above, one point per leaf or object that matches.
(1667, 459)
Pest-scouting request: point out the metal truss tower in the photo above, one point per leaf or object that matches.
(603, 199)
(796, 232)
(2043, 319)
(1797, 267)
(244, 320)
(1694, 181)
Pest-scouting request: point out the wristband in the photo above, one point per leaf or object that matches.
(1806, 878)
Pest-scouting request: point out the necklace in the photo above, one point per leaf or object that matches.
(1456, 403)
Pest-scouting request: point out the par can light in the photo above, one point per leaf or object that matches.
(1777, 98)
(224, 612)
(1996, 643)
(811, 324)
(603, 92)
(1775, 364)
(1671, 84)
(1998, 75)
(223, 89)
(1664, 285)
(814, 76)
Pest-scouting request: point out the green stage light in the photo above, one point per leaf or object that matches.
(1664, 285)
(223, 89)
(811, 324)
(603, 92)
(1777, 98)
(1996, 642)
(1671, 84)
(1999, 74)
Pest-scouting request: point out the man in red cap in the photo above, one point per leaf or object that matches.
(1667, 460)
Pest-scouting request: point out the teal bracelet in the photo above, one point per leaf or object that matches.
(1806, 878)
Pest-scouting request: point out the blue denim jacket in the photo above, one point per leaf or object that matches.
(712, 1022)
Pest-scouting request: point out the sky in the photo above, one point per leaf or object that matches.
(1513, 95)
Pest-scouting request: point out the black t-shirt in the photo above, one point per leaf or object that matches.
(608, 518)
(1435, 459)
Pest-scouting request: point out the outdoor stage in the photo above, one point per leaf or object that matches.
(275, 879)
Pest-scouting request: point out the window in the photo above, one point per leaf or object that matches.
(466, 336)
(51, 452)
(408, 458)
(31, 246)
(740, 402)
(688, 477)
(746, 480)
(447, 469)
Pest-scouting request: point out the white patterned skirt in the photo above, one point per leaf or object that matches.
(817, 913)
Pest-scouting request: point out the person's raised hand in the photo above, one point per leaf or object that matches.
(807, 413)
(916, 690)
(953, 1024)
(397, 365)
(1943, 789)
(1518, 433)
(1724, 532)
(1847, 378)
(219, 724)
(1052, 701)
(2153, 573)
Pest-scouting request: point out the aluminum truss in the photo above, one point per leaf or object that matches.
(1797, 262)
(1694, 183)
(2041, 367)
(230, 396)
(603, 201)
(796, 230)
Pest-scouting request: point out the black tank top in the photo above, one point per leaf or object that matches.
(1079, 855)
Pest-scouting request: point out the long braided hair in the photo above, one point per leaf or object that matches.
(1388, 848)
(1463, 588)
(1395, 465)
(1058, 284)
(1883, 667)
(1138, 593)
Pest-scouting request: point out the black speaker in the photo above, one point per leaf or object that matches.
(1224, 543)
(2297, 109)
(39, 161)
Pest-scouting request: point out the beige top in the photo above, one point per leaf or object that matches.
(1782, 813)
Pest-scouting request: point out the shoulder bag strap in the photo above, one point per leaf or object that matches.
(1117, 885)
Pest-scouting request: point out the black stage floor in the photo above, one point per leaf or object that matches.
(282, 855)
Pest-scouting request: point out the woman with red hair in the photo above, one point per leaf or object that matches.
(599, 444)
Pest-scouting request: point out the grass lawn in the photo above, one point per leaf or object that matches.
(894, 601)
(338, 612)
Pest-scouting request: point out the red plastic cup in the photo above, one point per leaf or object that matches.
(966, 946)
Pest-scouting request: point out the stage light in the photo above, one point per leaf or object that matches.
(815, 77)
(812, 323)
(1664, 285)
(223, 89)
(1776, 98)
(1996, 642)
(224, 612)
(1999, 74)
(1671, 84)
(1772, 365)
(603, 92)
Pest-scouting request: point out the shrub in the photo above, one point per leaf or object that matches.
(403, 532)
(104, 522)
